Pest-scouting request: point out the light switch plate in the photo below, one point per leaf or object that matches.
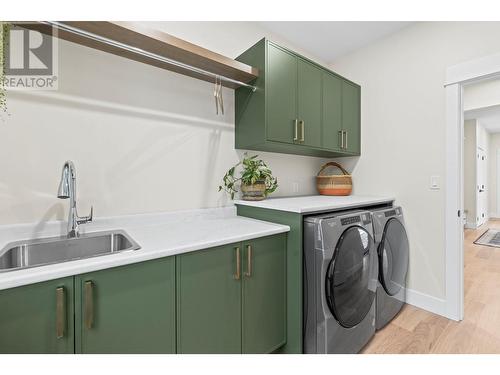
(435, 185)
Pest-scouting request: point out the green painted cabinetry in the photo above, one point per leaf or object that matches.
(231, 299)
(299, 107)
(264, 294)
(293, 301)
(332, 112)
(209, 301)
(283, 85)
(38, 318)
(129, 309)
(351, 117)
(309, 104)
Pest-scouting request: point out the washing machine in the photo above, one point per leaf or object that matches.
(393, 251)
(340, 282)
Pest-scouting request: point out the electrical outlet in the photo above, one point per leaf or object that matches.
(295, 187)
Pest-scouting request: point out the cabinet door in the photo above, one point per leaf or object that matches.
(351, 117)
(209, 301)
(129, 309)
(332, 112)
(264, 294)
(309, 103)
(37, 318)
(281, 95)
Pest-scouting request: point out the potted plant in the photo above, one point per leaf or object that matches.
(256, 179)
(4, 36)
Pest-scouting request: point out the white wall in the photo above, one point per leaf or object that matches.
(470, 150)
(142, 139)
(403, 128)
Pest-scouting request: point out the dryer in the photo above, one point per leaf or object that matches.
(393, 252)
(340, 282)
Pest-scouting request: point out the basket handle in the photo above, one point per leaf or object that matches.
(333, 164)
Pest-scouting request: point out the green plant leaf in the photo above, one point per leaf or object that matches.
(253, 170)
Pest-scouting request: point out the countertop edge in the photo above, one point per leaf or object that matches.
(326, 207)
(82, 266)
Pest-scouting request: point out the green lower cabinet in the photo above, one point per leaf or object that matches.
(231, 299)
(129, 309)
(209, 301)
(264, 295)
(37, 318)
(228, 299)
(293, 243)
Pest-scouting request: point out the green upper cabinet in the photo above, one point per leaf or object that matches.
(309, 104)
(264, 295)
(209, 301)
(298, 107)
(332, 112)
(282, 88)
(351, 117)
(37, 318)
(129, 309)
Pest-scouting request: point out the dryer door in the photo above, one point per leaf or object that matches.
(393, 254)
(351, 279)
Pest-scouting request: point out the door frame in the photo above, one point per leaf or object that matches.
(497, 176)
(458, 76)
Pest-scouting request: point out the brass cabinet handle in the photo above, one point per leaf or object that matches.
(248, 273)
(341, 134)
(302, 131)
(89, 304)
(296, 134)
(237, 275)
(60, 312)
(346, 147)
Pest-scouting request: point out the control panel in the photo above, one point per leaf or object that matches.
(350, 220)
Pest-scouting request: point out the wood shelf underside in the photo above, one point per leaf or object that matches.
(136, 35)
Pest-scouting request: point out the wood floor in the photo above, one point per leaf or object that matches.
(418, 331)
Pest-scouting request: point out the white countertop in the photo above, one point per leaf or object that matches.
(159, 235)
(316, 203)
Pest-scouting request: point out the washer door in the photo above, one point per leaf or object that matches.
(351, 277)
(393, 253)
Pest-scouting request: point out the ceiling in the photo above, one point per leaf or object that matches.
(332, 39)
(489, 117)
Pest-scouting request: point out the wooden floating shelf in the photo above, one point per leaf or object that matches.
(136, 35)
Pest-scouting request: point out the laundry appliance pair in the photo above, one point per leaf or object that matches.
(355, 266)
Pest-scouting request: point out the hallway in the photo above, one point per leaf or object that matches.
(418, 331)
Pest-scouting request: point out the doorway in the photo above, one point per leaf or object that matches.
(457, 78)
(477, 171)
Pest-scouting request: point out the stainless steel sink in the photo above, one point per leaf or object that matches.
(32, 253)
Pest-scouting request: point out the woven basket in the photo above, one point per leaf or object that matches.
(334, 184)
(254, 192)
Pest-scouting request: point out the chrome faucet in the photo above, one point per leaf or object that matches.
(67, 189)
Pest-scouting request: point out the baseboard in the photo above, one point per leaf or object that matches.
(469, 225)
(426, 302)
(494, 215)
